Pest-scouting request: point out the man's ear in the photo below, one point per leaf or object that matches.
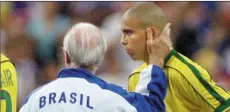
(154, 32)
(67, 58)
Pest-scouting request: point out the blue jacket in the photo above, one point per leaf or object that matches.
(78, 90)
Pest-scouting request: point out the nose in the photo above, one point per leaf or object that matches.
(123, 41)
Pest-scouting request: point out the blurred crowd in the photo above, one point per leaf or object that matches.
(32, 34)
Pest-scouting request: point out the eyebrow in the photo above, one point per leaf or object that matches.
(126, 30)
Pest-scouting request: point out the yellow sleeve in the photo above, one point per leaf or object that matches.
(133, 80)
(134, 77)
(182, 93)
(218, 93)
(201, 81)
(222, 96)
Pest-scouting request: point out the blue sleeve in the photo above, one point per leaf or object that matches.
(147, 103)
(157, 88)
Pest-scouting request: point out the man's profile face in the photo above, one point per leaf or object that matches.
(133, 38)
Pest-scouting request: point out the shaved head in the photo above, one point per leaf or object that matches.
(147, 15)
(134, 26)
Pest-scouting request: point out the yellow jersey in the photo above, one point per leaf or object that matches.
(190, 88)
(8, 86)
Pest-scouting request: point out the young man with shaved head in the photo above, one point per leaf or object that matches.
(77, 89)
(190, 88)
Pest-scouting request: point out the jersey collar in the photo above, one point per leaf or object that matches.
(78, 73)
(171, 53)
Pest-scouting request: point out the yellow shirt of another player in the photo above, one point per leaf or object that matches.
(8, 86)
(190, 88)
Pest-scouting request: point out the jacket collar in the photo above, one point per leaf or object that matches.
(78, 73)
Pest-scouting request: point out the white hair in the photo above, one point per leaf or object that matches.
(85, 45)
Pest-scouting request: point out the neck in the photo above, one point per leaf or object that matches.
(91, 69)
(146, 60)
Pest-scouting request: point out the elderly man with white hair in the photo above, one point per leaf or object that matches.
(77, 89)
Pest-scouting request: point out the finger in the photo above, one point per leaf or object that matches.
(168, 33)
(168, 40)
(166, 28)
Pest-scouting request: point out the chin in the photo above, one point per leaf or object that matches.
(133, 57)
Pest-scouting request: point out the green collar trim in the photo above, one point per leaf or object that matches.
(172, 52)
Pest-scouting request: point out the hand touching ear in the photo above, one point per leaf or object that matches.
(158, 47)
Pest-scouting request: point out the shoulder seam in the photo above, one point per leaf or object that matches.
(224, 106)
(197, 74)
(35, 91)
(192, 86)
(5, 61)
